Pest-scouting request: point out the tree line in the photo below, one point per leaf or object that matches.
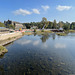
(50, 25)
(45, 24)
(10, 26)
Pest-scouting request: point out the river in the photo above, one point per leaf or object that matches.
(47, 54)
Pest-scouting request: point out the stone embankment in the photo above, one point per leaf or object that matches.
(9, 37)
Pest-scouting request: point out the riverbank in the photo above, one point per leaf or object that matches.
(72, 31)
(41, 32)
(65, 32)
(3, 50)
(9, 40)
(9, 37)
(61, 34)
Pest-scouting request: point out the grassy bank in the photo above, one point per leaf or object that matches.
(27, 33)
(3, 50)
(61, 34)
(42, 32)
(72, 31)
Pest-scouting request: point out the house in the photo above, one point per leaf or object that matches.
(16, 24)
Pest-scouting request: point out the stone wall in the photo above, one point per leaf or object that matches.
(9, 35)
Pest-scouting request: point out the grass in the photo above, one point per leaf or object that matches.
(34, 30)
(3, 50)
(72, 31)
(43, 32)
(27, 33)
(61, 34)
(9, 38)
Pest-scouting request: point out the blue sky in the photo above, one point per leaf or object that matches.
(34, 10)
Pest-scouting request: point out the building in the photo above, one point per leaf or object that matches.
(34, 27)
(16, 24)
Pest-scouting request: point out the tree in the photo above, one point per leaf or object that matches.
(61, 24)
(11, 26)
(50, 25)
(54, 24)
(72, 26)
(2, 24)
(45, 22)
(66, 27)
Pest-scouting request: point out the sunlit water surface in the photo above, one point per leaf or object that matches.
(47, 54)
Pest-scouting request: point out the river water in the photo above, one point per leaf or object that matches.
(47, 54)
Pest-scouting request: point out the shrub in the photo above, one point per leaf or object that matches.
(2, 48)
(34, 30)
(42, 30)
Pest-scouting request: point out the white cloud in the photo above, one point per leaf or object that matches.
(44, 46)
(22, 12)
(61, 8)
(45, 7)
(59, 45)
(36, 11)
(23, 42)
(36, 42)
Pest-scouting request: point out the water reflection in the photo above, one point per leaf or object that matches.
(44, 46)
(24, 41)
(1, 70)
(31, 56)
(35, 34)
(53, 36)
(1, 56)
(45, 37)
(60, 45)
(35, 43)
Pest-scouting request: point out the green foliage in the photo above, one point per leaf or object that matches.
(42, 30)
(72, 31)
(2, 24)
(71, 26)
(66, 27)
(2, 48)
(54, 24)
(45, 22)
(60, 24)
(50, 25)
(61, 34)
(9, 38)
(11, 26)
(34, 30)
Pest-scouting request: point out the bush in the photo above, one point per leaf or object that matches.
(42, 30)
(34, 30)
(2, 48)
(61, 34)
